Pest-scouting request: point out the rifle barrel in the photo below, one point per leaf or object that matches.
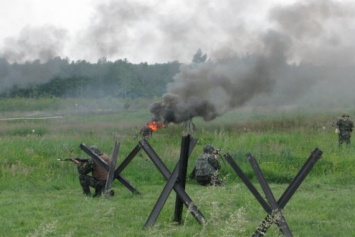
(70, 159)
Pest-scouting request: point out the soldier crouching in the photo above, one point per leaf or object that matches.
(99, 174)
(207, 168)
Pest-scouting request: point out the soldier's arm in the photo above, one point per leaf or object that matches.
(337, 123)
(214, 162)
(87, 167)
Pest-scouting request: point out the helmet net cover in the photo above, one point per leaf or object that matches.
(208, 148)
(96, 150)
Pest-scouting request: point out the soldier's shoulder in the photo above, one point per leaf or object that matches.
(105, 157)
(204, 156)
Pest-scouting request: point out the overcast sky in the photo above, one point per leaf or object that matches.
(161, 31)
(277, 33)
(139, 30)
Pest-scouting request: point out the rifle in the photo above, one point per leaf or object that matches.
(334, 125)
(71, 159)
(216, 152)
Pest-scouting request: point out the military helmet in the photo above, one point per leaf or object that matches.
(345, 115)
(208, 148)
(96, 150)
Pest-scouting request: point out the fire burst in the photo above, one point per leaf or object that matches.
(154, 125)
(151, 127)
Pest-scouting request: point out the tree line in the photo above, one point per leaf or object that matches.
(59, 77)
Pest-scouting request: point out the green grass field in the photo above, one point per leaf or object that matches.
(41, 196)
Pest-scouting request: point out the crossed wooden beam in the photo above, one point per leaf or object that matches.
(273, 207)
(176, 180)
(112, 173)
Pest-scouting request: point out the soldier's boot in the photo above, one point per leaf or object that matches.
(86, 191)
(99, 189)
(111, 192)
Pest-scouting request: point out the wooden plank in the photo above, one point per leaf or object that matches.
(111, 171)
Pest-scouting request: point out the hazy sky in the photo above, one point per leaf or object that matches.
(276, 33)
(139, 30)
(160, 31)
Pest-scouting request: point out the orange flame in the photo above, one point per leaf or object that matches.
(154, 125)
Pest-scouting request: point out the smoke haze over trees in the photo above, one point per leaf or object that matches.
(61, 78)
(302, 55)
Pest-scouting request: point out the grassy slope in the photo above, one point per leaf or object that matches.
(41, 196)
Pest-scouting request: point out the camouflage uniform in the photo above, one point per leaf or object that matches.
(207, 167)
(345, 127)
(98, 178)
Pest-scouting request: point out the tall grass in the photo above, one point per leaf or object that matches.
(41, 196)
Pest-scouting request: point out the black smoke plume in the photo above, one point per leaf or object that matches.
(211, 88)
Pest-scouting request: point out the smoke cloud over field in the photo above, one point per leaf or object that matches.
(43, 43)
(284, 52)
(303, 59)
(212, 88)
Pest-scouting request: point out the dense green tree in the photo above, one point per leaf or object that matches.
(60, 78)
